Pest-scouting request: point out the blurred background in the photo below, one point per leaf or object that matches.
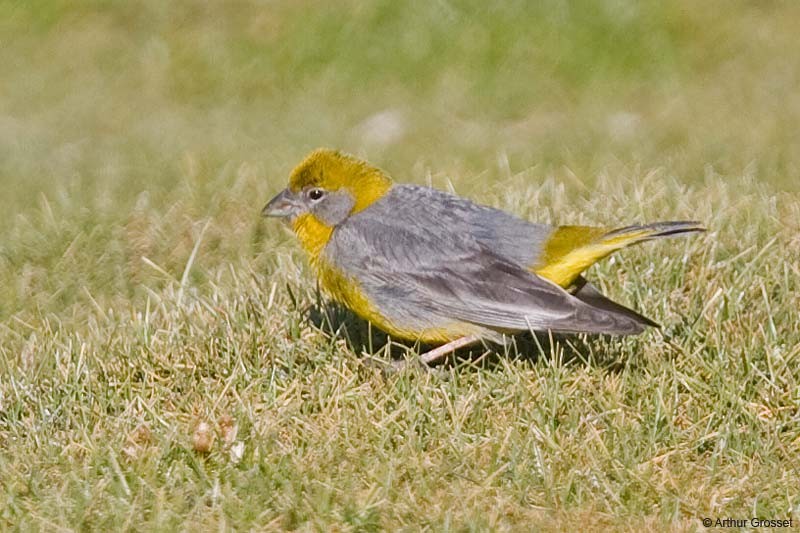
(123, 124)
(141, 292)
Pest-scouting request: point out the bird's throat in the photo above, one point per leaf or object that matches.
(313, 235)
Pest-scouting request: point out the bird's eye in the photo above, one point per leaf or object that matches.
(316, 194)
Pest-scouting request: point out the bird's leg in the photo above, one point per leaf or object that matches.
(437, 353)
(431, 356)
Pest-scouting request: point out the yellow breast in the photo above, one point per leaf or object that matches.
(347, 291)
(313, 236)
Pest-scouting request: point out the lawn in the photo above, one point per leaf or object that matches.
(164, 361)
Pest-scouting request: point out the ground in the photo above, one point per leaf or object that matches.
(165, 360)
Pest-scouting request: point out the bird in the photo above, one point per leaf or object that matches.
(428, 266)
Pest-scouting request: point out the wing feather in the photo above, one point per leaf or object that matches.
(422, 265)
(491, 292)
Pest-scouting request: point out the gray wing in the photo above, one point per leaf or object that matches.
(506, 234)
(421, 262)
(585, 291)
(489, 291)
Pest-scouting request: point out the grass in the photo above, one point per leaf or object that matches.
(147, 313)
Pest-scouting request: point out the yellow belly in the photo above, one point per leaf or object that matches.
(348, 292)
(313, 235)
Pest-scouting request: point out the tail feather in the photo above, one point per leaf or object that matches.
(640, 233)
(572, 249)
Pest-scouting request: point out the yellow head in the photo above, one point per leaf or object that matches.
(324, 190)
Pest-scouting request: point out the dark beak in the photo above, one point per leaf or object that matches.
(283, 205)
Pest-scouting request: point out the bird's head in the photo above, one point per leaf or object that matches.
(329, 186)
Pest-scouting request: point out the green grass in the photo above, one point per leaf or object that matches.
(141, 294)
